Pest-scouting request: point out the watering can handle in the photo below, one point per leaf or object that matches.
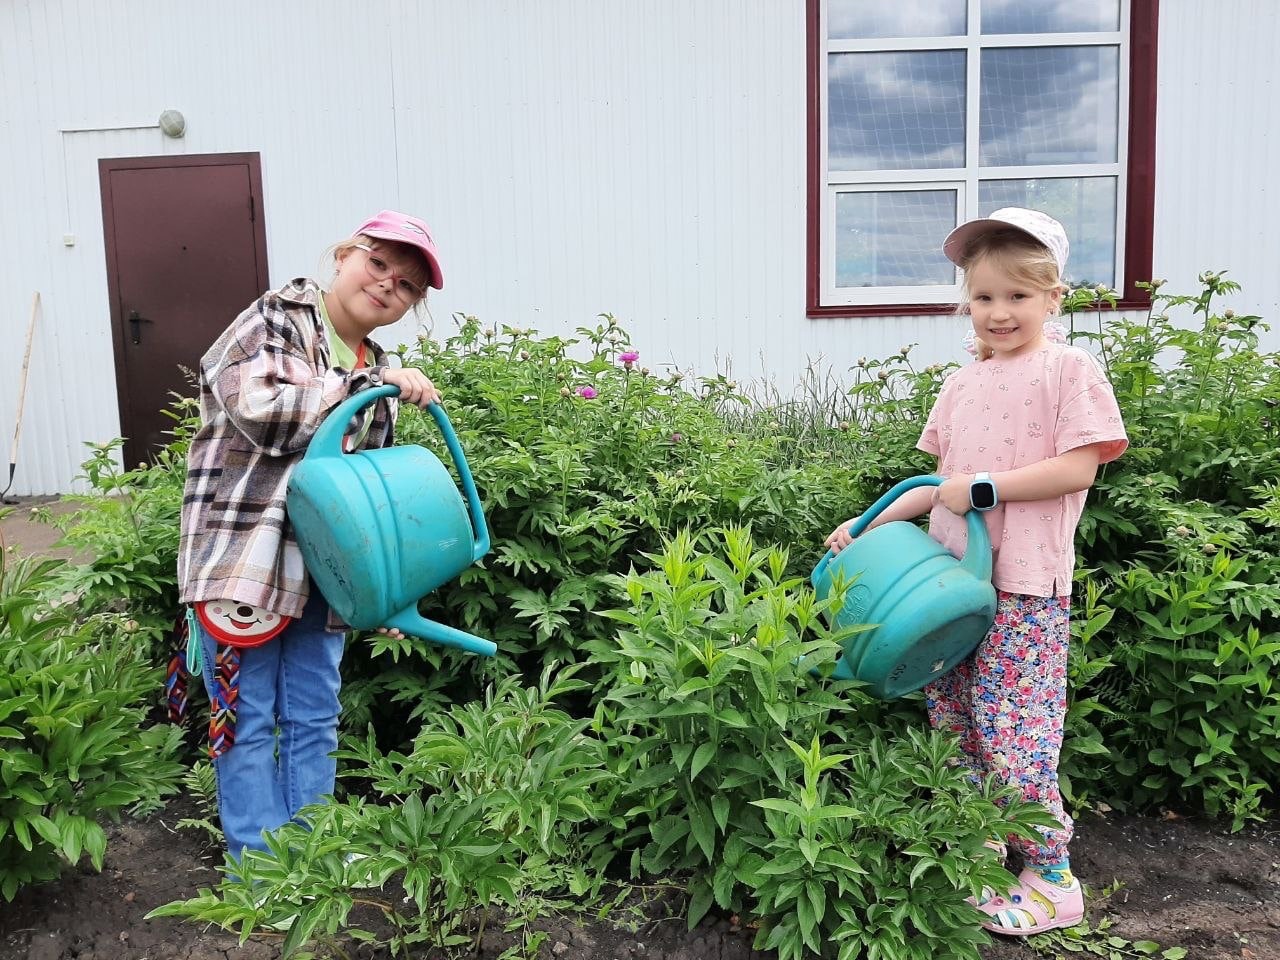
(327, 442)
(977, 554)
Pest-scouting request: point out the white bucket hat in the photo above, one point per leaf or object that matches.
(1039, 226)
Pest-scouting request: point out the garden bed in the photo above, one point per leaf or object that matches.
(1182, 882)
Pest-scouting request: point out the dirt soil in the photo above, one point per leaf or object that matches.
(1183, 883)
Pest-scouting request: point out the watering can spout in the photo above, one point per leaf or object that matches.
(412, 623)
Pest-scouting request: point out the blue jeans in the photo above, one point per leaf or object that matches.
(286, 727)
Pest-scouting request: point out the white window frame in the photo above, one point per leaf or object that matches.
(965, 179)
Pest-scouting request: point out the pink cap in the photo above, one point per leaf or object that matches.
(1039, 226)
(402, 228)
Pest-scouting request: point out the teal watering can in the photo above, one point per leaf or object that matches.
(380, 529)
(924, 609)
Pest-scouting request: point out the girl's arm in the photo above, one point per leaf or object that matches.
(912, 504)
(1071, 472)
(263, 377)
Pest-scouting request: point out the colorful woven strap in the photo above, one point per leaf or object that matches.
(222, 706)
(186, 663)
(176, 674)
(175, 687)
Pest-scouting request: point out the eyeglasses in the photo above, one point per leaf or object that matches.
(379, 269)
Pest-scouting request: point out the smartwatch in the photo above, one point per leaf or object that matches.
(982, 492)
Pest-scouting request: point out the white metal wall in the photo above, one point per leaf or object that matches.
(572, 156)
(1218, 149)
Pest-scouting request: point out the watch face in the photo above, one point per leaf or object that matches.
(982, 494)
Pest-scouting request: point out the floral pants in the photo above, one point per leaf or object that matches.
(1007, 703)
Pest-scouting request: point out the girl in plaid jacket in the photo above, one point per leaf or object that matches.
(269, 646)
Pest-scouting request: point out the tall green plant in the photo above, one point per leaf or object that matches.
(1175, 658)
(74, 746)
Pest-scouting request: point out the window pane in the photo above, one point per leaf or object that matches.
(1049, 105)
(1085, 206)
(893, 238)
(865, 19)
(1050, 16)
(895, 111)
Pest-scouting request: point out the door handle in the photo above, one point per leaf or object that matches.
(135, 324)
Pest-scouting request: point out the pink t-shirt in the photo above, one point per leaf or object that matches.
(997, 415)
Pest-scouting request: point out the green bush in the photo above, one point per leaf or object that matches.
(708, 688)
(72, 695)
(676, 742)
(492, 807)
(1177, 646)
(128, 528)
(576, 488)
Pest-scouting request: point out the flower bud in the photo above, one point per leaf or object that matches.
(731, 443)
(1229, 314)
(883, 375)
(524, 354)
(566, 392)
(1209, 549)
(1183, 531)
(844, 426)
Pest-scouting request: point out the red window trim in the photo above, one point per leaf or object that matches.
(1144, 17)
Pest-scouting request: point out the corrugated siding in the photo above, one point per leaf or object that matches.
(1218, 149)
(573, 157)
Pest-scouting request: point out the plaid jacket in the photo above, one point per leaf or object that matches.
(265, 386)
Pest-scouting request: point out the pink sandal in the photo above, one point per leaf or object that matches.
(998, 846)
(1050, 906)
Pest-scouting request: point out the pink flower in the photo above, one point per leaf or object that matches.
(628, 358)
(587, 393)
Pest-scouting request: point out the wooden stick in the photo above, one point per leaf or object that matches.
(22, 388)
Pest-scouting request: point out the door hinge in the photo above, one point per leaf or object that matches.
(252, 213)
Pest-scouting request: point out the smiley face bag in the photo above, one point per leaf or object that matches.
(234, 626)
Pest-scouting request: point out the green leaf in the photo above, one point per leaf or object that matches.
(720, 810)
(700, 902)
(704, 754)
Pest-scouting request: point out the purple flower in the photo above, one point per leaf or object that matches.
(677, 437)
(628, 358)
(587, 393)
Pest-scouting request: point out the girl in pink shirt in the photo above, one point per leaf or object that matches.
(1019, 434)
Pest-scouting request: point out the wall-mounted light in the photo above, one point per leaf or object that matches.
(173, 123)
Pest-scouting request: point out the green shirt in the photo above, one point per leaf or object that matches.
(338, 349)
(340, 355)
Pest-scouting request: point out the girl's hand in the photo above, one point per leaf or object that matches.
(954, 493)
(414, 386)
(391, 632)
(839, 537)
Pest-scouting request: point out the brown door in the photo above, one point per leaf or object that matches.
(186, 252)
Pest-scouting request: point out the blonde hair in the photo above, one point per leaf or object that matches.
(1017, 255)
